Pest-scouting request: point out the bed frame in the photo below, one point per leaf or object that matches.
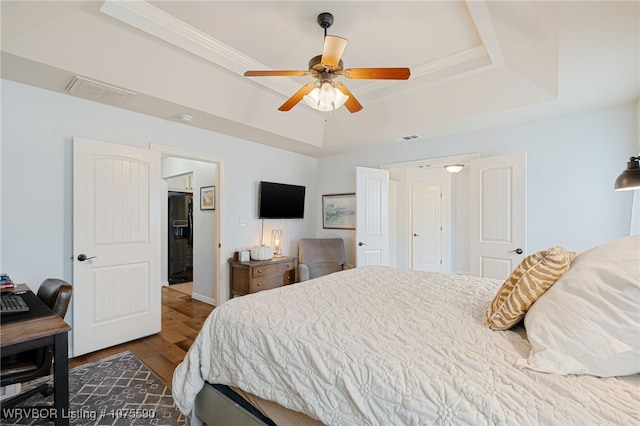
(218, 405)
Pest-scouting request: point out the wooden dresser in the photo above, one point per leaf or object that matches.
(255, 275)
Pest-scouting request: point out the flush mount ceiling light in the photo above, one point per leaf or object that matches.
(630, 178)
(454, 168)
(186, 118)
(325, 94)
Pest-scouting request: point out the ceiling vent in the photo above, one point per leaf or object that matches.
(407, 138)
(100, 92)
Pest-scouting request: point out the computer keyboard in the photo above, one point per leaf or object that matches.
(11, 304)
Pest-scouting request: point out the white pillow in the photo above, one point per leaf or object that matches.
(588, 322)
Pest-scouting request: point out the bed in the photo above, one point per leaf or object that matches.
(380, 345)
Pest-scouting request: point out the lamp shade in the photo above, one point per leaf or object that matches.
(630, 178)
(276, 240)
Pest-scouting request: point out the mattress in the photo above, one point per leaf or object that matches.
(381, 345)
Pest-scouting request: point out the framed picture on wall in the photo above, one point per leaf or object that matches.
(339, 211)
(207, 198)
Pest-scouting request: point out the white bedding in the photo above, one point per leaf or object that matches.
(380, 345)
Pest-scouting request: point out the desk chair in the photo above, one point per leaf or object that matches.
(320, 256)
(29, 365)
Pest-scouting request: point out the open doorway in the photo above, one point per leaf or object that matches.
(421, 227)
(431, 231)
(197, 238)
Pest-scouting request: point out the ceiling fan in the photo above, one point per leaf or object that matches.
(325, 94)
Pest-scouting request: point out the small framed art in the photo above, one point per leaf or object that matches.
(339, 211)
(208, 198)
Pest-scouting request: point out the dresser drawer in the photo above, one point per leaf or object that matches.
(289, 277)
(275, 269)
(266, 283)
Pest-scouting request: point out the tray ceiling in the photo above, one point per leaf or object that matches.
(473, 64)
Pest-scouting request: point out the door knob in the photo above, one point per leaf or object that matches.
(517, 251)
(360, 243)
(416, 235)
(82, 257)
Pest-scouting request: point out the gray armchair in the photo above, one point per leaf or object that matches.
(320, 256)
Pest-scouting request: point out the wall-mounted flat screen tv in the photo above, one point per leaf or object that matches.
(280, 201)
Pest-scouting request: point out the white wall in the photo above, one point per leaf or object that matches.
(37, 128)
(572, 163)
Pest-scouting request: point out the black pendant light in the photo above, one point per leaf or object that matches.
(630, 178)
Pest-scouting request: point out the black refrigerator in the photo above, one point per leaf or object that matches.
(180, 237)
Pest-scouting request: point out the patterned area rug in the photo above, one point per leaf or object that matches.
(118, 390)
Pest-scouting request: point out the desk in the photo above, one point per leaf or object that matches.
(34, 333)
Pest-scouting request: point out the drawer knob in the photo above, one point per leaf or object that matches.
(259, 284)
(259, 271)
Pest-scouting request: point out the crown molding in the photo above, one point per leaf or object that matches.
(158, 23)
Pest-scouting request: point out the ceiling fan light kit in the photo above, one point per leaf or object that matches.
(326, 98)
(327, 95)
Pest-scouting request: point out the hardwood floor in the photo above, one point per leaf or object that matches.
(186, 288)
(182, 318)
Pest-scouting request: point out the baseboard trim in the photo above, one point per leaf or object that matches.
(204, 299)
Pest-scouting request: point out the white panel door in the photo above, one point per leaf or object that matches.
(372, 216)
(116, 225)
(498, 194)
(426, 224)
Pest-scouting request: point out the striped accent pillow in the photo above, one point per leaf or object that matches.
(535, 274)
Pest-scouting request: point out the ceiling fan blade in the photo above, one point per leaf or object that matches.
(297, 97)
(378, 73)
(275, 73)
(333, 48)
(352, 103)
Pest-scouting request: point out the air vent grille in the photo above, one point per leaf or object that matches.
(407, 138)
(95, 91)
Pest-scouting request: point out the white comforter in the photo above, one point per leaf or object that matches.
(386, 346)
